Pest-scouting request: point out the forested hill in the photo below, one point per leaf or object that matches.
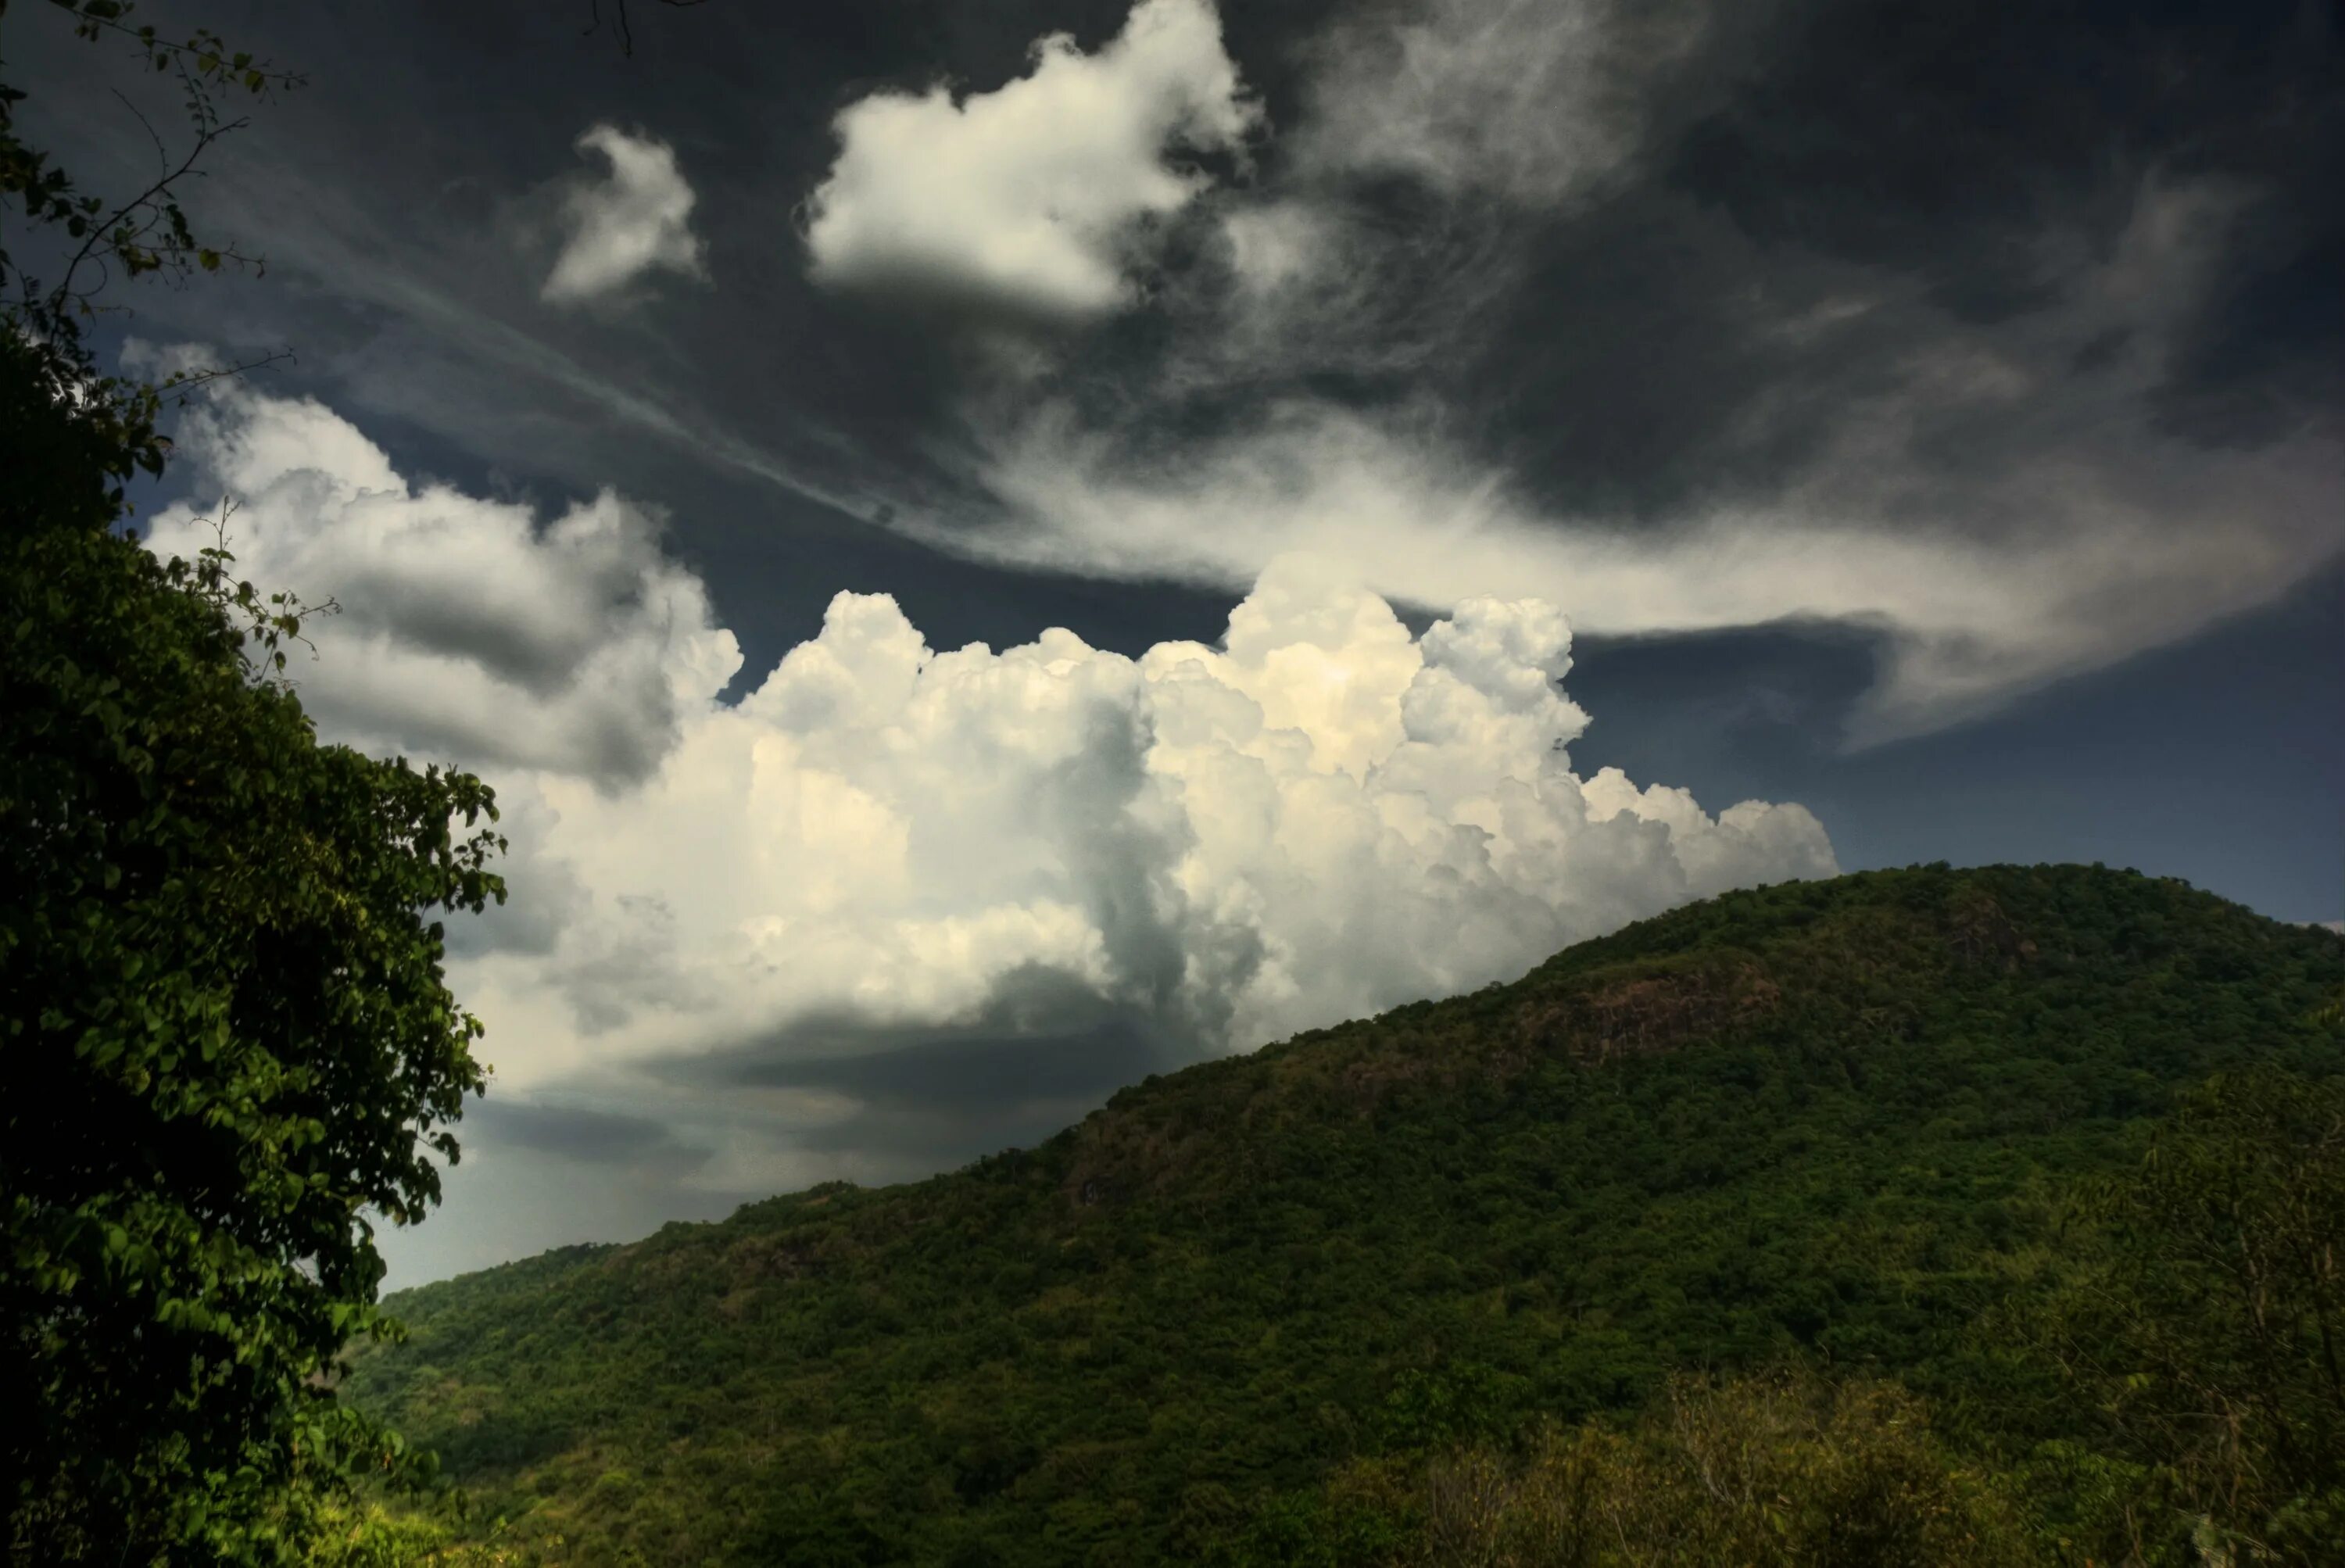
(1822, 1125)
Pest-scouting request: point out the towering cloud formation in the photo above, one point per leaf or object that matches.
(636, 220)
(1027, 197)
(1322, 816)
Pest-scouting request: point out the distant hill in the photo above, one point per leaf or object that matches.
(1821, 1123)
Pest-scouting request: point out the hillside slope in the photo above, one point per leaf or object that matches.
(1818, 1120)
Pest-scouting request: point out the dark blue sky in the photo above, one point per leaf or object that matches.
(2219, 759)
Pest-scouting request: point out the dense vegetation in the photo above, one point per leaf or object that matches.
(226, 1029)
(1875, 1188)
(225, 1036)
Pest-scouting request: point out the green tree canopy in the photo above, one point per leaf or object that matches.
(228, 1034)
(2211, 1342)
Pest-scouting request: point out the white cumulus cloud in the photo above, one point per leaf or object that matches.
(1027, 196)
(1323, 816)
(1212, 846)
(468, 627)
(634, 220)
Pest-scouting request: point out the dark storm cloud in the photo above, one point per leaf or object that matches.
(1944, 139)
(1041, 1051)
(2269, 351)
(1986, 153)
(1680, 353)
(584, 1134)
(1810, 194)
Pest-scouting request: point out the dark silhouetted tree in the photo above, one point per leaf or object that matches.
(228, 1040)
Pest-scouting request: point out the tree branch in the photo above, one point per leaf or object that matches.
(626, 33)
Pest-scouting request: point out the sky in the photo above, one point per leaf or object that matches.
(991, 550)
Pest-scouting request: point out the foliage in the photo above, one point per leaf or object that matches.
(348, 1534)
(227, 1025)
(1829, 1124)
(114, 433)
(226, 1022)
(1782, 1472)
(2194, 1356)
(148, 232)
(2208, 1341)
